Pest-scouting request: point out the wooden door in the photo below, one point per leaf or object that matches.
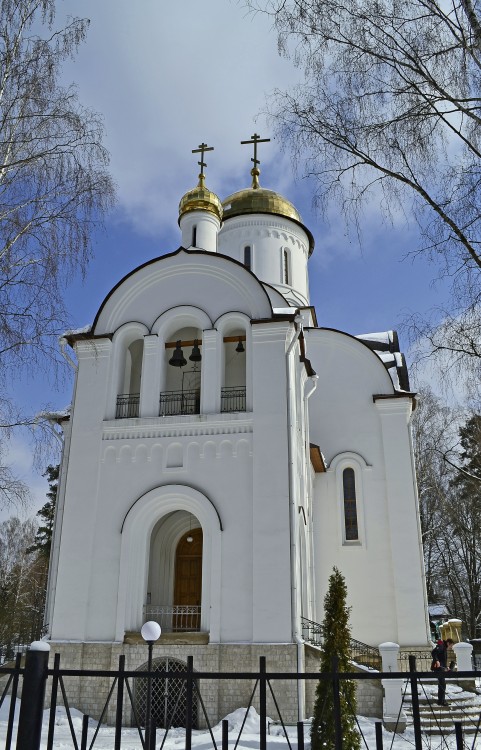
(188, 580)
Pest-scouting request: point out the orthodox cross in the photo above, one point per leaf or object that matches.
(203, 147)
(255, 139)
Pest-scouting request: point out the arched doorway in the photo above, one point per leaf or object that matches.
(168, 695)
(188, 581)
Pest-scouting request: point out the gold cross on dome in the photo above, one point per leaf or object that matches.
(203, 147)
(255, 139)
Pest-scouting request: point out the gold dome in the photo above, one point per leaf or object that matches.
(200, 199)
(257, 200)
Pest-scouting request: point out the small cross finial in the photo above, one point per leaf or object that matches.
(255, 172)
(203, 147)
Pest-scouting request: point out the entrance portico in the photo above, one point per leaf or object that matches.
(152, 530)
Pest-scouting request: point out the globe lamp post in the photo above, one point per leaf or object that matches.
(150, 632)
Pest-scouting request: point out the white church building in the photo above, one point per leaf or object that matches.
(223, 452)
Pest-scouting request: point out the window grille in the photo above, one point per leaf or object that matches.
(169, 695)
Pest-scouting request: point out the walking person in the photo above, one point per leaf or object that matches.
(440, 666)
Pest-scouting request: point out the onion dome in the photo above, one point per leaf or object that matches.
(200, 199)
(257, 200)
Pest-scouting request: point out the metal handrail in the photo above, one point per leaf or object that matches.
(423, 660)
(233, 398)
(127, 406)
(174, 618)
(179, 402)
(361, 653)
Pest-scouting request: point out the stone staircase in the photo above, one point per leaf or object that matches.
(437, 720)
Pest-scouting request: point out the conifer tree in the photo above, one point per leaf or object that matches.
(43, 537)
(336, 637)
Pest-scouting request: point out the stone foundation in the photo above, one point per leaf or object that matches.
(369, 693)
(89, 694)
(220, 697)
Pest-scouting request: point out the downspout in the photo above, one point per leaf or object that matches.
(293, 518)
(298, 635)
(310, 547)
(63, 343)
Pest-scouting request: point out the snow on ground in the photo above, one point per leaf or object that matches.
(202, 740)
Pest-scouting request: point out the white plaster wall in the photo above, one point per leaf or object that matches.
(206, 226)
(72, 604)
(232, 470)
(271, 605)
(236, 461)
(384, 569)
(194, 278)
(268, 236)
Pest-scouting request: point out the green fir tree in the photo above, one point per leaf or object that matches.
(336, 636)
(43, 538)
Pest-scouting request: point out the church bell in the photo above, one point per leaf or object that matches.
(178, 359)
(195, 356)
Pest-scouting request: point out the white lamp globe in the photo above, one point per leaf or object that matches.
(151, 631)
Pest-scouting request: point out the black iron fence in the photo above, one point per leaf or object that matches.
(9, 651)
(142, 714)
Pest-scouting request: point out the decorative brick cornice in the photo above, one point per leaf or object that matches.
(175, 427)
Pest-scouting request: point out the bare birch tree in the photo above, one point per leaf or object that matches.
(432, 430)
(448, 467)
(390, 111)
(54, 190)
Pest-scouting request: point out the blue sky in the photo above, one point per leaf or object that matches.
(167, 77)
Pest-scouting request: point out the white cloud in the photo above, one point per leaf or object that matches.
(166, 78)
(18, 454)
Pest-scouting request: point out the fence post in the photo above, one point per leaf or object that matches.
(85, 732)
(336, 701)
(33, 696)
(464, 663)
(394, 718)
(300, 735)
(53, 701)
(262, 703)
(13, 701)
(378, 729)
(225, 734)
(458, 731)
(189, 702)
(418, 742)
(120, 703)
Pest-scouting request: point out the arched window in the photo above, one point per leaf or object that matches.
(286, 267)
(129, 397)
(247, 257)
(350, 510)
(233, 393)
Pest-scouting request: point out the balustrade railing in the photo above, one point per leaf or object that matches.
(127, 406)
(361, 653)
(174, 618)
(179, 402)
(233, 399)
